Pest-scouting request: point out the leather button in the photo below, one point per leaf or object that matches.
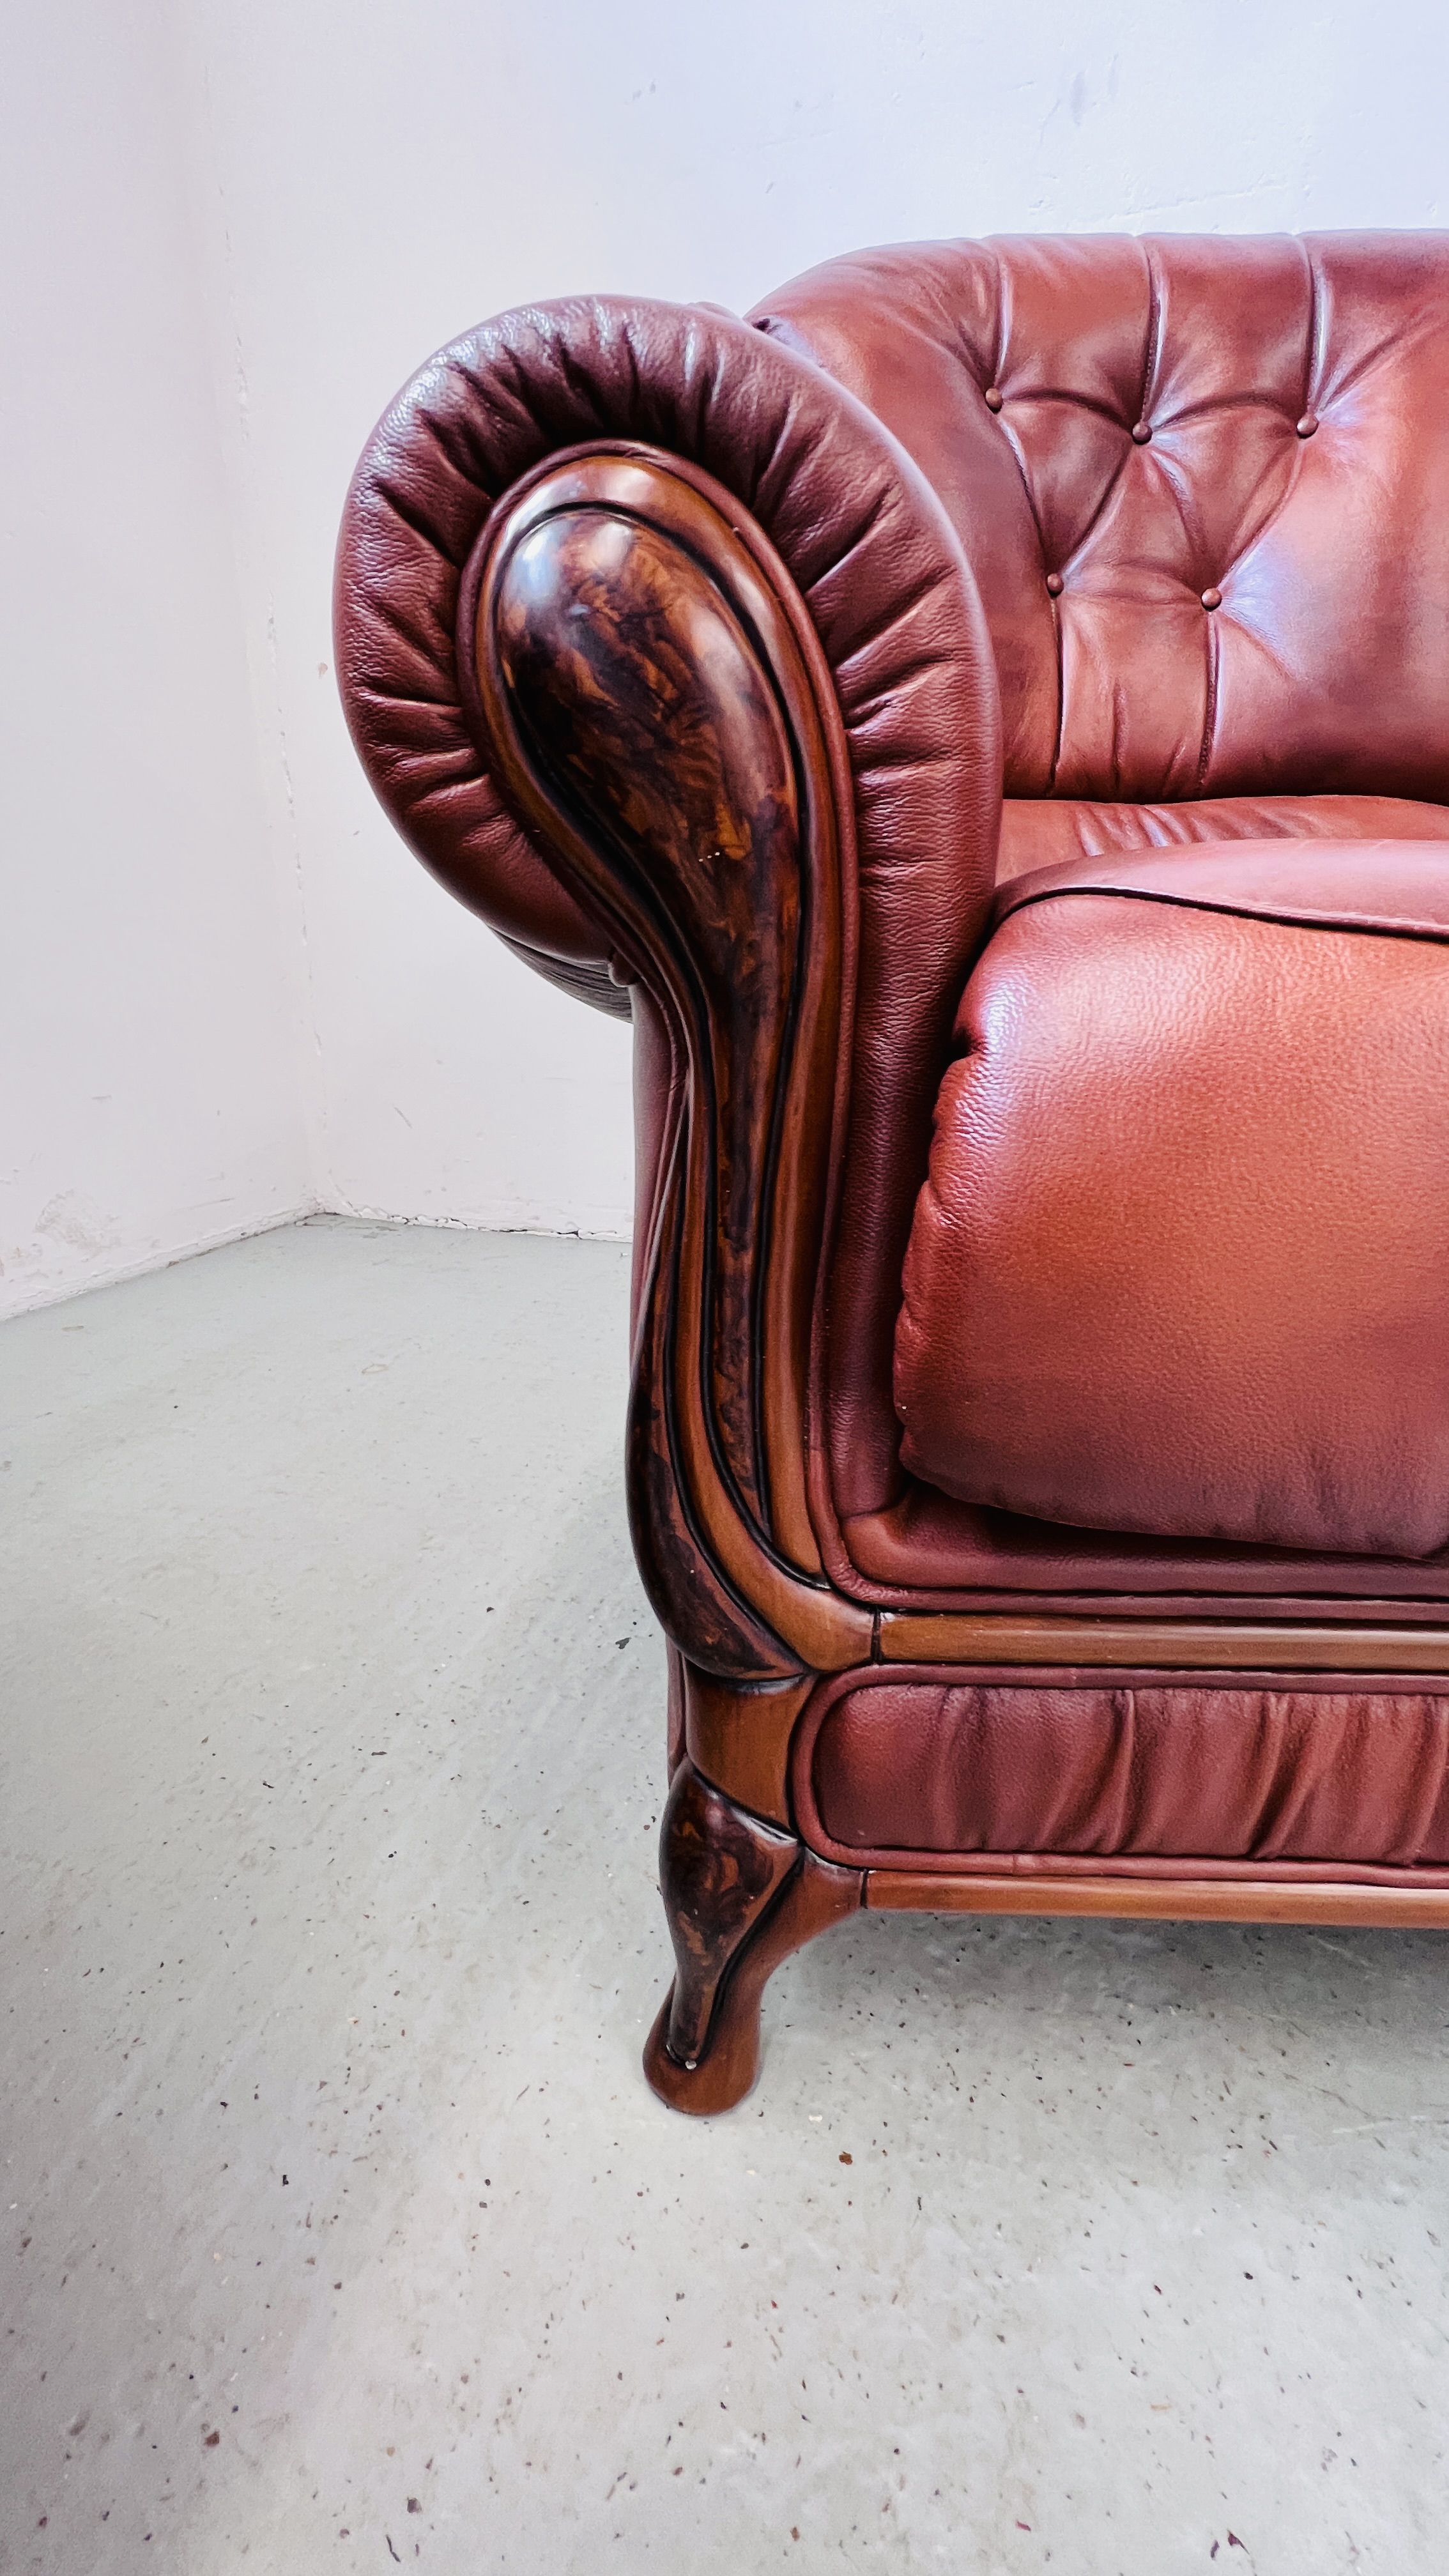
(1212, 599)
(1308, 424)
(1054, 584)
(993, 398)
(1141, 432)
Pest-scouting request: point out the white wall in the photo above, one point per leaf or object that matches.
(368, 177)
(149, 1089)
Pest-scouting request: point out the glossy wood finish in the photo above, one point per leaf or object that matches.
(650, 699)
(740, 1897)
(1160, 1645)
(674, 1746)
(739, 1737)
(1160, 1900)
(719, 1869)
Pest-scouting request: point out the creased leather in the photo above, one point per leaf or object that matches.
(1181, 1265)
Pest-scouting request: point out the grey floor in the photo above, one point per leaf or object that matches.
(339, 2228)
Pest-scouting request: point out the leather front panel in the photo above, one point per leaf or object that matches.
(1017, 371)
(1181, 1264)
(932, 1769)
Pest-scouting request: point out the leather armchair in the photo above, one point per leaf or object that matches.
(986, 720)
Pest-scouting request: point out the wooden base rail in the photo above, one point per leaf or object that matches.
(1159, 1900)
(1161, 1645)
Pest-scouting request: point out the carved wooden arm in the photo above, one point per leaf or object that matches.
(664, 658)
(652, 712)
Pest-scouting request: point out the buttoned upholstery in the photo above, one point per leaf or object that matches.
(1147, 423)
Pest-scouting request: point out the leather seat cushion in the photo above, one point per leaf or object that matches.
(1228, 1768)
(1181, 1262)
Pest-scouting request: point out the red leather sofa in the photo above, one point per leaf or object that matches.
(986, 719)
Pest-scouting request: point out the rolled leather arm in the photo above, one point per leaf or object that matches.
(861, 533)
(663, 656)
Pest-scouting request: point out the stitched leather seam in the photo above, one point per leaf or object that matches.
(1285, 920)
(1210, 710)
(1003, 325)
(1152, 352)
(1151, 369)
(1317, 326)
(1004, 314)
(1252, 538)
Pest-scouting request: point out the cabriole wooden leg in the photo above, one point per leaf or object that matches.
(740, 1895)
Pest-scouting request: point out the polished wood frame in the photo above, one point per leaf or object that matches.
(1159, 1900)
(1153, 1644)
(653, 703)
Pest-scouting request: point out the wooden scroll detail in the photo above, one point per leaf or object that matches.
(652, 701)
(740, 1896)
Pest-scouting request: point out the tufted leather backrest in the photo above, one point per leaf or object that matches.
(1203, 484)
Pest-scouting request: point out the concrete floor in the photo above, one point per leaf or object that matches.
(339, 2228)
